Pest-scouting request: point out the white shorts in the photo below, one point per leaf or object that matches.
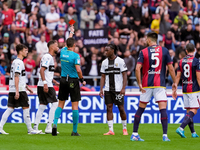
(191, 100)
(158, 93)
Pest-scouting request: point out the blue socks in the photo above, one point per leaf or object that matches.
(137, 119)
(187, 119)
(75, 116)
(164, 120)
(57, 115)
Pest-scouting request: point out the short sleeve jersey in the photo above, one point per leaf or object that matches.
(47, 62)
(154, 60)
(188, 66)
(113, 70)
(69, 60)
(17, 67)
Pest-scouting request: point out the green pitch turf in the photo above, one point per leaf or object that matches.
(92, 138)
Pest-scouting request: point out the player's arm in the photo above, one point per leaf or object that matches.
(43, 79)
(29, 89)
(124, 74)
(198, 77)
(138, 77)
(177, 79)
(17, 85)
(56, 83)
(172, 73)
(80, 75)
(102, 83)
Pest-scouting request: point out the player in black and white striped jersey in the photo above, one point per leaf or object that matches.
(17, 90)
(114, 77)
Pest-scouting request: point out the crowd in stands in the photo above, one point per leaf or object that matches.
(35, 22)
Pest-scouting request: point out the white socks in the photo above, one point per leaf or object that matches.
(39, 116)
(5, 116)
(110, 125)
(124, 122)
(52, 113)
(135, 133)
(27, 120)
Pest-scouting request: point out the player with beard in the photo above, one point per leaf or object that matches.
(45, 89)
(153, 61)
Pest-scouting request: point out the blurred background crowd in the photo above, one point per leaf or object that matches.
(35, 22)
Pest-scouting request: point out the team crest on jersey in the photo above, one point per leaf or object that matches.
(78, 61)
(17, 67)
(116, 64)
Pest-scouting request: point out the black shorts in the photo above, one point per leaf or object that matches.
(46, 98)
(23, 100)
(113, 97)
(69, 87)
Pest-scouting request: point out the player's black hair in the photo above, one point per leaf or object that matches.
(153, 36)
(114, 47)
(190, 47)
(70, 42)
(51, 43)
(20, 47)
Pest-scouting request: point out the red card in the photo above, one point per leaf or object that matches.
(71, 22)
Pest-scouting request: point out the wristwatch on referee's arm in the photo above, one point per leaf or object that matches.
(81, 80)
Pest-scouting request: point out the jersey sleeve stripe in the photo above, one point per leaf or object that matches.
(169, 63)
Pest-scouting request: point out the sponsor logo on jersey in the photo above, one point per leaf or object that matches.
(187, 60)
(187, 82)
(153, 72)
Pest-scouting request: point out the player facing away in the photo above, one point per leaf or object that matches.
(153, 61)
(114, 77)
(17, 96)
(189, 72)
(45, 89)
(69, 83)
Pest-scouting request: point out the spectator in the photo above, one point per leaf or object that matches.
(189, 10)
(162, 8)
(29, 64)
(70, 3)
(8, 17)
(112, 28)
(55, 4)
(125, 28)
(176, 31)
(111, 9)
(70, 16)
(174, 8)
(61, 43)
(60, 35)
(130, 63)
(13, 47)
(146, 20)
(33, 23)
(2, 55)
(78, 35)
(197, 55)
(16, 5)
(152, 5)
(127, 10)
(44, 9)
(136, 10)
(38, 16)
(165, 24)
(23, 14)
(180, 49)
(29, 43)
(181, 19)
(116, 15)
(6, 45)
(102, 16)
(122, 46)
(82, 49)
(168, 40)
(41, 46)
(13, 33)
(197, 34)
(92, 5)
(35, 35)
(20, 27)
(87, 18)
(28, 6)
(2, 67)
(145, 8)
(155, 25)
(187, 34)
(61, 25)
(52, 19)
(136, 25)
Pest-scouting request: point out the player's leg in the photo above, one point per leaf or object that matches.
(4, 118)
(75, 116)
(109, 100)
(39, 114)
(191, 126)
(11, 105)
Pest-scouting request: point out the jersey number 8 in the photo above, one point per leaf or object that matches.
(186, 69)
(154, 57)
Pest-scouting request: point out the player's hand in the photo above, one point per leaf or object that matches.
(16, 95)
(122, 92)
(174, 95)
(46, 88)
(101, 93)
(174, 87)
(57, 84)
(84, 83)
(142, 89)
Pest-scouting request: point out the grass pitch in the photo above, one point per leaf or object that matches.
(92, 138)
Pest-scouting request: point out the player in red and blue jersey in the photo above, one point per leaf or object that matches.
(189, 72)
(153, 61)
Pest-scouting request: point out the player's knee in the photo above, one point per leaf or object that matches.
(121, 109)
(109, 107)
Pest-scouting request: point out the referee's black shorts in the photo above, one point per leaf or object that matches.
(69, 87)
(46, 98)
(23, 100)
